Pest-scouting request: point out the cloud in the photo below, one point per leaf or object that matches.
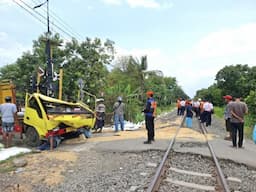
(8, 3)
(112, 2)
(152, 55)
(213, 52)
(153, 4)
(223, 47)
(160, 60)
(5, 2)
(196, 68)
(143, 3)
(90, 8)
(3, 36)
(10, 49)
(227, 42)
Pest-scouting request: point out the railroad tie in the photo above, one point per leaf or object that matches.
(191, 185)
(190, 172)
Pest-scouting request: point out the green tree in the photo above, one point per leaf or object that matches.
(87, 61)
(131, 79)
(212, 93)
(233, 80)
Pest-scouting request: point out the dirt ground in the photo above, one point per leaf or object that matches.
(44, 167)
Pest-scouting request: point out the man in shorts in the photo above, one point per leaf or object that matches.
(8, 112)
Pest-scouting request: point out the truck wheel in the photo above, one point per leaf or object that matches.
(32, 137)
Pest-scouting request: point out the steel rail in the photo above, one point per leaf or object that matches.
(219, 171)
(155, 183)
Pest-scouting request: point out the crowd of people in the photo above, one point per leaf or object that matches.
(234, 113)
(202, 109)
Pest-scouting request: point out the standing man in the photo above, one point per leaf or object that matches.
(178, 107)
(183, 106)
(150, 113)
(196, 107)
(100, 115)
(238, 109)
(207, 113)
(189, 114)
(8, 113)
(119, 108)
(227, 117)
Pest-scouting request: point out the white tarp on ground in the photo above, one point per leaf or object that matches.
(12, 151)
(129, 126)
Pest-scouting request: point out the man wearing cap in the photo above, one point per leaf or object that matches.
(100, 115)
(119, 108)
(8, 112)
(150, 113)
(227, 116)
(238, 109)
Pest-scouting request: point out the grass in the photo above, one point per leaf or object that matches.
(165, 109)
(249, 122)
(140, 116)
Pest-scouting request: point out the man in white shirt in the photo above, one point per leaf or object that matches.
(208, 110)
(196, 107)
(183, 106)
(8, 113)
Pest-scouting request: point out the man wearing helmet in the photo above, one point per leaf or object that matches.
(8, 112)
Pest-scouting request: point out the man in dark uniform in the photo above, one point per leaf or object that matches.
(150, 113)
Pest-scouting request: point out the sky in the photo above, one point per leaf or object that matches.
(190, 40)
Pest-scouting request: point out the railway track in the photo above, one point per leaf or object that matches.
(173, 175)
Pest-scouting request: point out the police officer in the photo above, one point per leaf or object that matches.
(150, 113)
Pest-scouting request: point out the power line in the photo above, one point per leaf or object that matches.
(36, 17)
(68, 34)
(53, 24)
(31, 13)
(60, 21)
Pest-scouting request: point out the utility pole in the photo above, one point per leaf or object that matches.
(49, 70)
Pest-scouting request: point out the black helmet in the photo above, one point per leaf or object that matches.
(8, 99)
